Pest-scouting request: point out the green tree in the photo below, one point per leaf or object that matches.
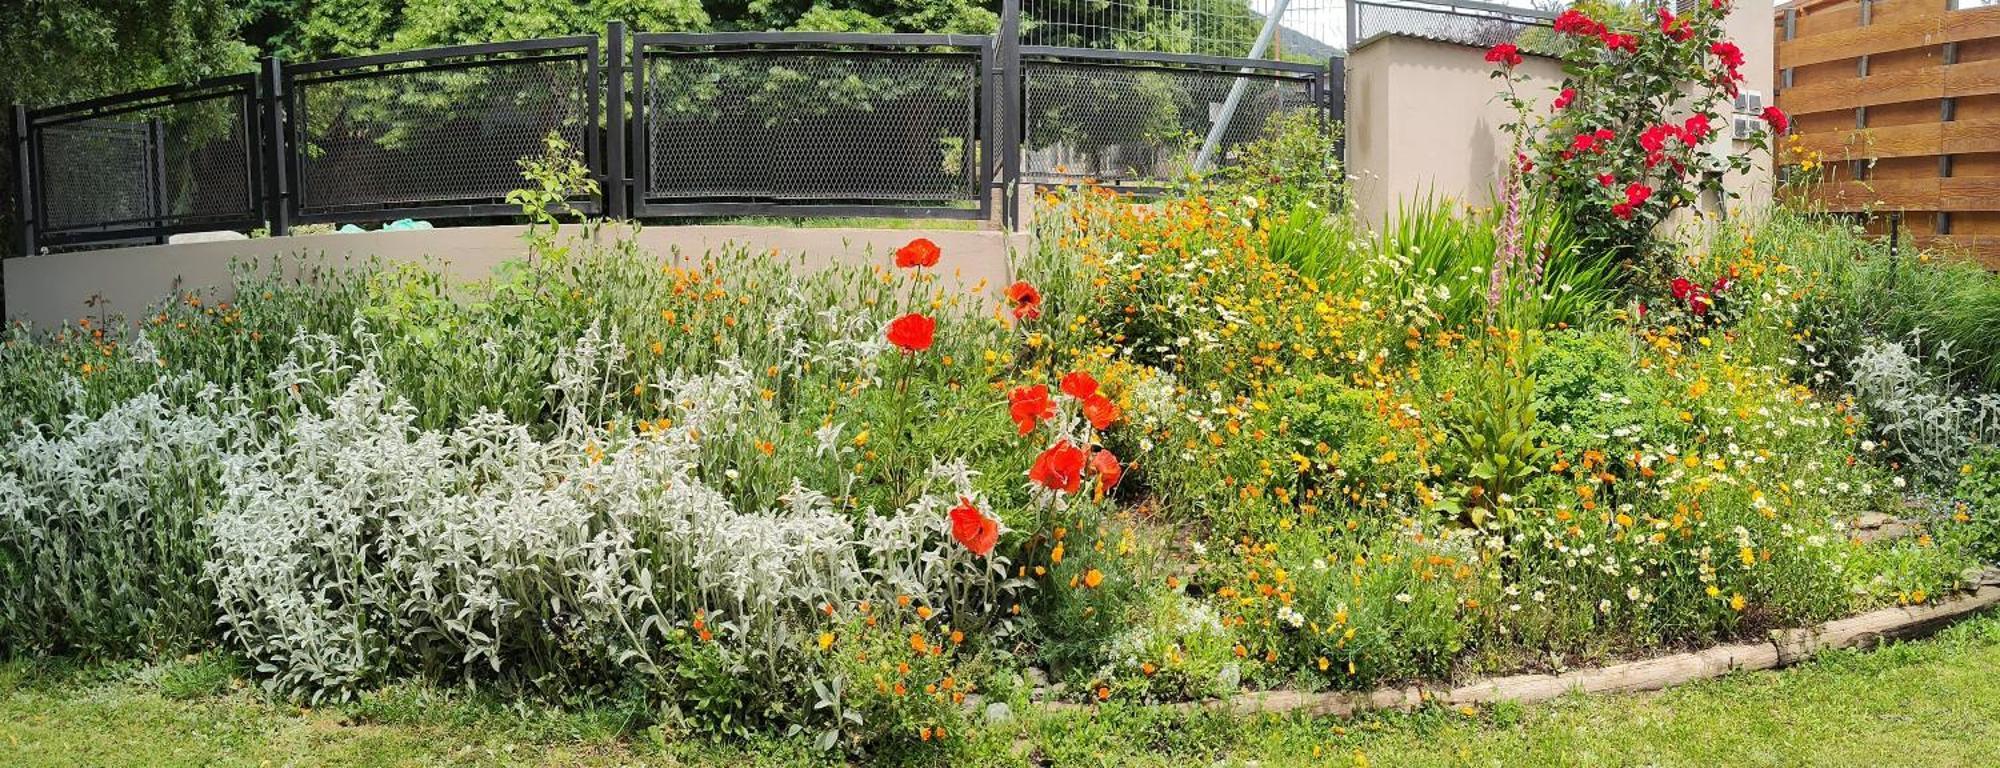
(54, 51)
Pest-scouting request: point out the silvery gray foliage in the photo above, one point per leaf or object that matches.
(98, 542)
(1919, 417)
(351, 545)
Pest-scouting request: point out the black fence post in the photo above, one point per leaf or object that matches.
(156, 173)
(276, 155)
(1336, 106)
(616, 186)
(24, 189)
(1010, 113)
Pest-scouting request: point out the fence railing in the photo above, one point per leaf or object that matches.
(434, 133)
(1121, 117)
(670, 124)
(812, 123)
(144, 165)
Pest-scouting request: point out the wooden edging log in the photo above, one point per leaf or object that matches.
(1785, 647)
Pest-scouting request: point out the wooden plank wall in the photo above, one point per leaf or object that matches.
(1902, 100)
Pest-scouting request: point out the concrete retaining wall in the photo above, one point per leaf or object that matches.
(49, 289)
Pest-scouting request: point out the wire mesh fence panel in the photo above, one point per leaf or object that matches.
(1307, 29)
(411, 136)
(812, 127)
(1142, 125)
(146, 166)
(1468, 24)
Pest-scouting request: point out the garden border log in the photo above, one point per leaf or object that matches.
(1783, 648)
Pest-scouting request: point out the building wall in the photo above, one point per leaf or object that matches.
(50, 289)
(1870, 93)
(1424, 117)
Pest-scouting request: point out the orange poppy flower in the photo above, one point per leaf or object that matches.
(921, 252)
(913, 332)
(973, 529)
(1027, 300)
(1105, 464)
(1059, 468)
(1100, 411)
(1028, 406)
(1079, 385)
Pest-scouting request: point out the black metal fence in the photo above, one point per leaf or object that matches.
(827, 123)
(670, 125)
(1141, 118)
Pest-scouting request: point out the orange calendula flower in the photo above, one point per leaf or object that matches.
(1093, 578)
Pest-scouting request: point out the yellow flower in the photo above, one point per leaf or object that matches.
(825, 640)
(1736, 602)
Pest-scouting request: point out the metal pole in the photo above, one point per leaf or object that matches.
(1336, 84)
(1221, 125)
(24, 190)
(1011, 110)
(277, 158)
(156, 171)
(616, 184)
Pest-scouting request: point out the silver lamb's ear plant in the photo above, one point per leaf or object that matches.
(351, 545)
(99, 549)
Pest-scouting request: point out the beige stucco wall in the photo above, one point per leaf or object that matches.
(1425, 116)
(49, 289)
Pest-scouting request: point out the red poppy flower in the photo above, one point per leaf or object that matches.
(1683, 288)
(1776, 117)
(1028, 406)
(1100, 411)
(1079, 385)
(1604, 135)
(913, 332)
(1105, 464)
(1026, 299)
(1721, 283)
(1564, 99)
(1620, 42)
(1699, 303)
(1059, 468)
(1605, 179)
(921, 252)
(973, 529)
(1622, 210)
(1583, 142)
(1505, 54)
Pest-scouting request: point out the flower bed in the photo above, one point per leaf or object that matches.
(1202, 446)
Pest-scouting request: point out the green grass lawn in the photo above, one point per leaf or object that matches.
(1928, 703)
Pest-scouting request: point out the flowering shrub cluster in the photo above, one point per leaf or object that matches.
(1624, 145)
